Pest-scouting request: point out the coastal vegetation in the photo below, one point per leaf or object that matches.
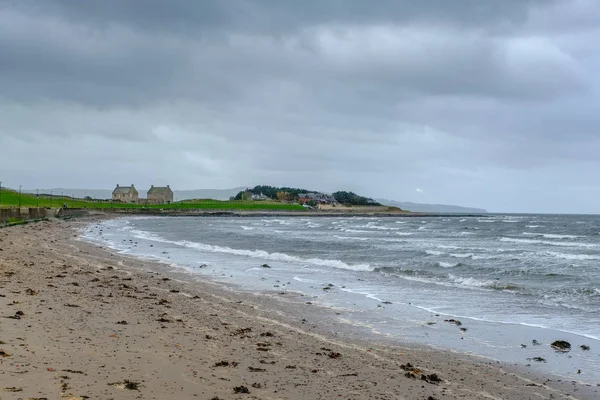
(354, 199)
(289, 194)
(12, 198)
(271, 192)
(270, 198)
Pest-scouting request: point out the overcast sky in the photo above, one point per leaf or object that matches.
(492, 104)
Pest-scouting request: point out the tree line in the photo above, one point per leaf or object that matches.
(289, 194)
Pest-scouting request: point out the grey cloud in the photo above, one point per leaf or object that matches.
(466, 100)
(119, 65)
(265, 16)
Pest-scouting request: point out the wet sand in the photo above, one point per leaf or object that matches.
(78, 321)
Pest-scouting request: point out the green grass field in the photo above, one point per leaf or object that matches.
(10, 198)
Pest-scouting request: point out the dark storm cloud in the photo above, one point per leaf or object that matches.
(117, 51)
(445, 96)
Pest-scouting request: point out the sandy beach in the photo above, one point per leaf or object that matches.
(79, 321)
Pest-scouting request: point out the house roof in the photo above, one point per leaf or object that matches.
(159, 190)
(313, 195)
(316, 196)
(123, 189)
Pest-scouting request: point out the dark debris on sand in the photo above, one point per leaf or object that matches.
(561, 345)
(241, 389)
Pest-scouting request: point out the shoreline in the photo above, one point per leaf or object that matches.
(114, 212)
(90, 290)
(348, 307)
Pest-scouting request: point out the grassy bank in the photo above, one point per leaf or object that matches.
(11, 198)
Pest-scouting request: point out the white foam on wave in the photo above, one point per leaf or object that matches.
(447, 264)
(275, 220)
(371, 225)
(246, 228)
(304, 280)
(253, 253)
(451, 247)
(536, 241)
(453, 282)
(434, 252)
(568, 256)
(383, 228)
(470, 281)
(354, 230)
(350, 237)
(373, 297)
(434, 310)
(551, 235)
(534, 226)
(483, 257)
(148, 236)
(404, 233)
(461, 255)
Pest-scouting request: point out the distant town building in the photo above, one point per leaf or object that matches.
(259, 196)
(125, 194)
(317, 197)
(160, 195)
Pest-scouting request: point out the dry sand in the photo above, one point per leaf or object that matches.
(77, 321)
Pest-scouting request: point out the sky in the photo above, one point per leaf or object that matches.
(482, 103)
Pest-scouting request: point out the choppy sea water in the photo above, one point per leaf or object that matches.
(509, 279)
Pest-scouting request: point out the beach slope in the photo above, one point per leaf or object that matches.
(78, 321)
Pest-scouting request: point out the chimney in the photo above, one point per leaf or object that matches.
(169, 186)
(132, 185)
(117, 185)
(151, 186)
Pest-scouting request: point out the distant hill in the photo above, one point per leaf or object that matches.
(217, 194)
(431, 208)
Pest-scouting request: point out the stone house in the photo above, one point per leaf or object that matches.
(259, 196)
(320, 198)
(125, 194)
(160, 195)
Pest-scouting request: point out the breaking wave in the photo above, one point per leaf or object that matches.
(253, 253)
(350, 238)
(550, 235)
(354, 230)
(486, 284)
(434, 252)
(536, 241)
(461, 255)
(448, 265)
(501, 268)
(567, 256)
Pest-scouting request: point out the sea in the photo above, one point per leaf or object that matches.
(503, 287)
